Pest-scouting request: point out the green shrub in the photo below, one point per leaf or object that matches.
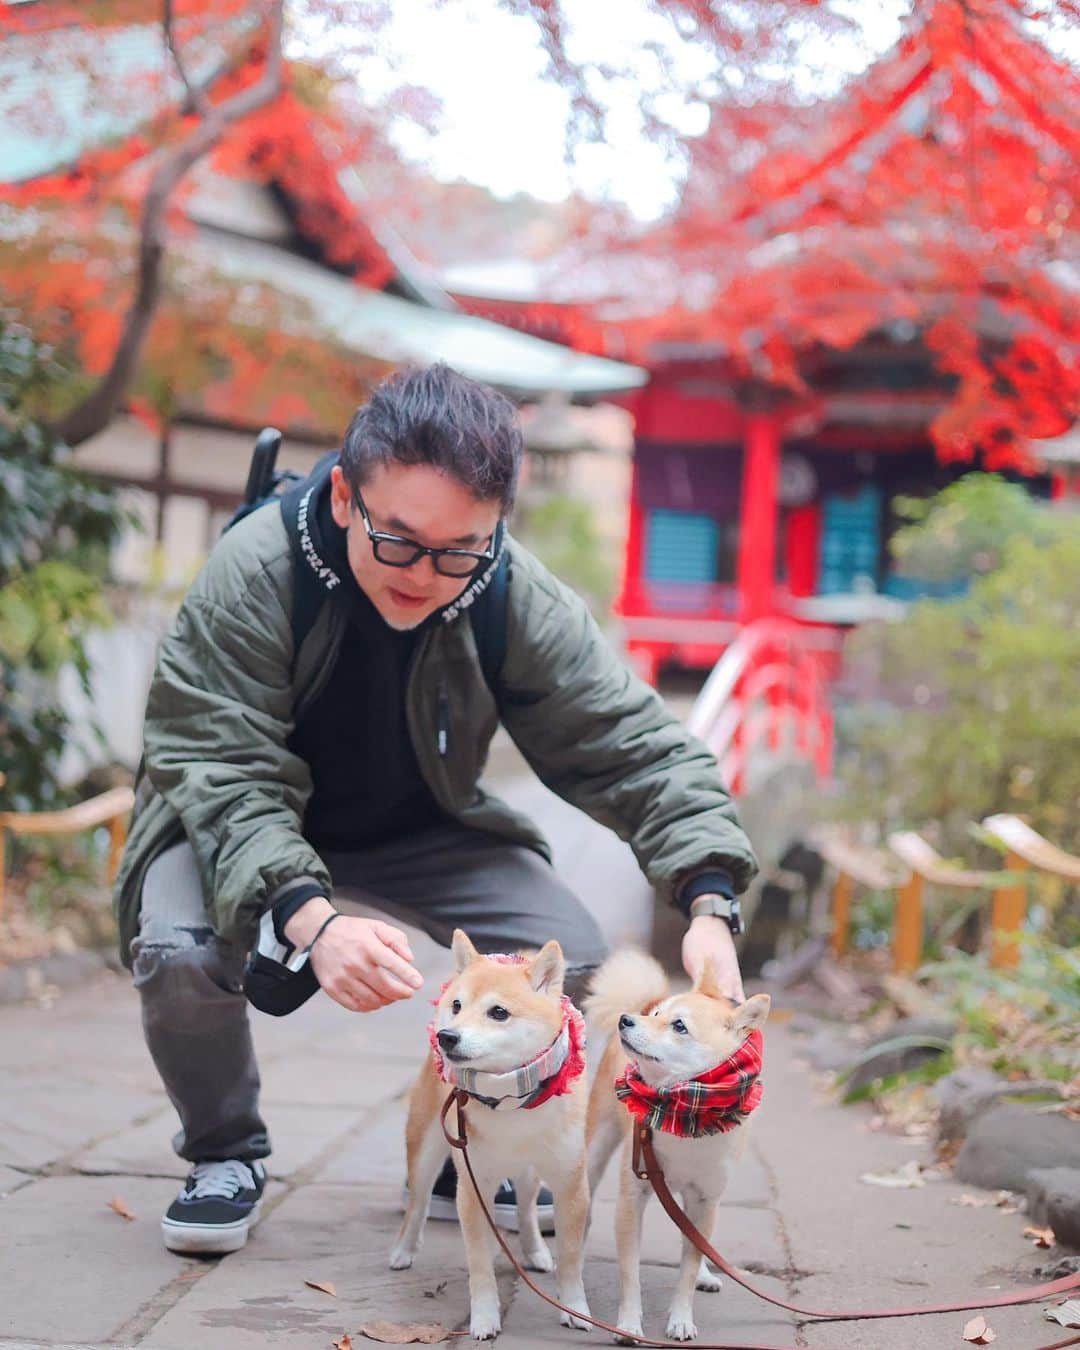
(56, 531)
(960, 532)
(561, 532)
(1020, 1023)
(976, 708)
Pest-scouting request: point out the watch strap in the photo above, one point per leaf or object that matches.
(722, 906)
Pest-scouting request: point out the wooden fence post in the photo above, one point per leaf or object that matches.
(1007, 918)
(117, 838)
(908, 934)
(841, 912)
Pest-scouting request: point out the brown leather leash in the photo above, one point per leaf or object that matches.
(460, 1142)
(652, 1172)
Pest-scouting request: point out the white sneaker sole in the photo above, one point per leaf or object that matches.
(504, 1215)
(208, 1239)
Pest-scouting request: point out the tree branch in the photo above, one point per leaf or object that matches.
(97, 410)
(196, 94)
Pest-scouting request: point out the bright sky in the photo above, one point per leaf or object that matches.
(502, 125)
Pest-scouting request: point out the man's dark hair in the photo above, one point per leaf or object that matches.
(436, 416)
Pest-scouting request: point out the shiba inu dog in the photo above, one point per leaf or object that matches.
(692, 1075)
(504, 1032)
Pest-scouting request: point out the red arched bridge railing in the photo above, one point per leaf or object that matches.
(766, 696)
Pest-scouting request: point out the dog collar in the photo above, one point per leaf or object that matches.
(713, 1103)
(516, 1087)
(552, 1073)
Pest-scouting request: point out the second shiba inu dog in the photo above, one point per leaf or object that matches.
(504, 1032)
(692, 1076)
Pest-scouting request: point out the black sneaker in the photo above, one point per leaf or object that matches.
(216, 1209)
(503, 1208)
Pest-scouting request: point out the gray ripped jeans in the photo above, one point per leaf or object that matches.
(194, 1013)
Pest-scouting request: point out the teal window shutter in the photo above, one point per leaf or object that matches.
(681, 546)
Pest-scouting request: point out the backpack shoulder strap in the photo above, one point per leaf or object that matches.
(309, 596)
(487, 615)
(309, 593)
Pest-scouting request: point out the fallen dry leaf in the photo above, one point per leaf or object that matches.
(946, 1153)
(906, 1177)
(1042, 1237)
(434, 1293)
(343, 1342)
(1068, 1313)
(118, 1207)
(404, 1333)
(322, 1288)
(979, 1331)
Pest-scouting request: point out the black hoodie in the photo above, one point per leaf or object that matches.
(367, 784)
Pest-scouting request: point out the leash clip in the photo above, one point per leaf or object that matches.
(647, 1169)
(456, 1098)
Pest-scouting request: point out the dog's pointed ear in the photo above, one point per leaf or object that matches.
(548, 969)
(707, 983)
(751, 1015)
(464, 952)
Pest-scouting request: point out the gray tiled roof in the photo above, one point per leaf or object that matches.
(399, 330)
(68, 89)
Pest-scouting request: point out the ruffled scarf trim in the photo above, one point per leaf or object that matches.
(551, 1074)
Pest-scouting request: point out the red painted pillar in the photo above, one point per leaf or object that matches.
(757, 515)
(629, 599)
(803, 547)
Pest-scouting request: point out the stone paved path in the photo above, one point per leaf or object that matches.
(83, 1120)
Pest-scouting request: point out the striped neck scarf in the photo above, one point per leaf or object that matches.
(713, 1103)
(552, 1073)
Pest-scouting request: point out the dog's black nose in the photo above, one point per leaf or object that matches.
(448, 1039)
(625, 1021)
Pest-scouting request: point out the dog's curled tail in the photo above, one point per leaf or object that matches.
(629, 981)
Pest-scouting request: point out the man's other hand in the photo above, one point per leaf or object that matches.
(709, 938)
(363, 964)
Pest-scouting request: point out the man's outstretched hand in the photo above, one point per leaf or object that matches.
(363, 964)
(709, 938)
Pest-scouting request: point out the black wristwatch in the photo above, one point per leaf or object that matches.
(723, 907)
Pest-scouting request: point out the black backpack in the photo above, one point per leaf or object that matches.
(487, 613)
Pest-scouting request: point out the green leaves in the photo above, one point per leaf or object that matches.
(562, 533)
(56, 530)
(961, 531)
(45, 612)
(970, 706)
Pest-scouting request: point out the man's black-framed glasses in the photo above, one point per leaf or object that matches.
(396, 551)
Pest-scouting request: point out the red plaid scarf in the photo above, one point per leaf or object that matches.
(714, 1103)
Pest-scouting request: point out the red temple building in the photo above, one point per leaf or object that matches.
(883, 303)
(741, 512)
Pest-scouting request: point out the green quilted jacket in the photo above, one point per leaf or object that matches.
(228, 685)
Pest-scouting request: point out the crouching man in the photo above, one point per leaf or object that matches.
(315, 732)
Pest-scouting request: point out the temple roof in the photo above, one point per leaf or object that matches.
(281, 204)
